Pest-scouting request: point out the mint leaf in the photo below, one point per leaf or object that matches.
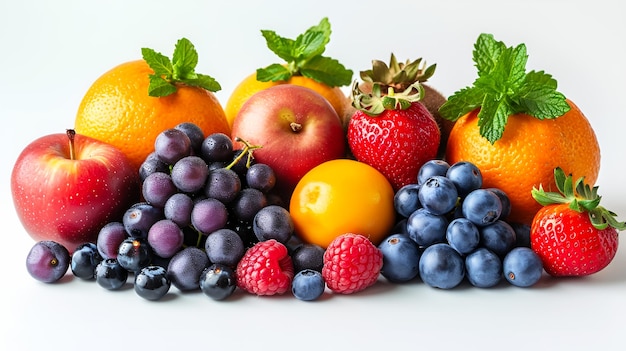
(184, 59)
(160, 87)
(303, 57)
(326, 70)
(160, 64)
(273, 73)
(181, 69)
(506, 88)
(282, 47)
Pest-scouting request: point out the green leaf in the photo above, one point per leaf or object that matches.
(327, 71)
(159, 63)
(160, 87)
(203, 81)
(273, 73)
(506, 87)
(309, 44)
(184, 59)
(282, 47)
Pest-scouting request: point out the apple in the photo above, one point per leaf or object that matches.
(66, 187)
(296, 129)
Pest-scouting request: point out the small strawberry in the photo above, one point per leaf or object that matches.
(265, 269)
(572, 233)
(351, 263)
(391, 130)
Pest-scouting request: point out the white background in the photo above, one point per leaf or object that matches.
(51, 51)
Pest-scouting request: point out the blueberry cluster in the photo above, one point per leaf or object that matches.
(452, 229)
(203, 204)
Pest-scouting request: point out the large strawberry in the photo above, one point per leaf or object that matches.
(572, 233)
(392, 130)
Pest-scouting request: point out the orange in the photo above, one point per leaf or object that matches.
(527, 154)
(342, 196)
(118, 110)
(249, 86)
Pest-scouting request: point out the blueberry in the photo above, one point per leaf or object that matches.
(498, 237)
(466, 177)
(406, 200)
(522, 234)
(483, 268)
(151, 283)
(432, 168)
(441, 266)
(110, 275)
(401, 257)
(224, 246)
(522, 267)
(185, 268)
(426, 228)
(482, 207)
(506, 202)
(134, 254)
(308, 285)
(218, 281)
(84, 261)
(463, 235)
(48, 261)
(438, 195)
(308, 256)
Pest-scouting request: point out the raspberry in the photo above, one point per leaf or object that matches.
(351, 263)
(265, 269)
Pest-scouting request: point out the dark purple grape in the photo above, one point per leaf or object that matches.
(273, 222)
(209, 215)
(224, 246)
(247, 203)
(222, 184)
(140, 217)
(190, 174)
(165, 238)
(171, 145)
(178, 209)
(243, 163)
(109, 239)
(157, 188)
(152, 164)
(308, 256)
(85, 259)
(261, 176)
(218, 281)
(217, 147)
(185, 268)
(47, 261)
(195, 134)
(152, 283)
(110, 274)
(134, 254)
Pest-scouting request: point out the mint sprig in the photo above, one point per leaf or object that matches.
(303, 57)
(504, 88)
(181, 69)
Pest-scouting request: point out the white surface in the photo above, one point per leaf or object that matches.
(53, 50)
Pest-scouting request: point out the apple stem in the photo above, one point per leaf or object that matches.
(71, 133)
(295, 127)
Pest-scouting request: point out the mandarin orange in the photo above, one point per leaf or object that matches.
(527, 154)
(250, 85)
(118, 110)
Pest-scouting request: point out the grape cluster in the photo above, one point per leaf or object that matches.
(451, 229)
(204, 203)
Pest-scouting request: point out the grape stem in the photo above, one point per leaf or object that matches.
(247, 150)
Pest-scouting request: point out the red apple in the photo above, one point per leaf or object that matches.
(296, 128)
(66, 187)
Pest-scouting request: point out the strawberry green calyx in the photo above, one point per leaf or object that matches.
(180, 69)
(581, 198)
(504, 88)
(303, 57)
(376, 102)
(398, 75)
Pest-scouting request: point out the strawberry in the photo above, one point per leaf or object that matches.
(393, 131)
(572, 234)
